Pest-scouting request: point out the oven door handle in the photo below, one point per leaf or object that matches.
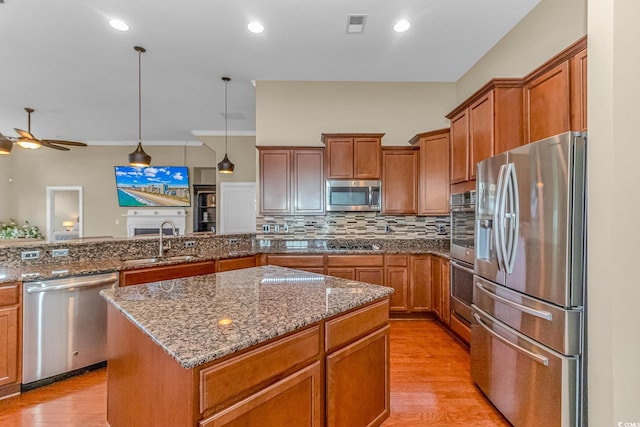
(536, 357)
(462, 267)
(532, 311)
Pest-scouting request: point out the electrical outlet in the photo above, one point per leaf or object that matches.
(266, 228)
(286, 227)
(276, 228)
(233, 241)
(441, 228)
(59, 252)
(30, 255)
(189, 244)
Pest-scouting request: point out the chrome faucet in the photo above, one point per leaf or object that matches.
(166, 247)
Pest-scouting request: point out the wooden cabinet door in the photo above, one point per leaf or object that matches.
(547, 103)
(400, 181)
(308, 181)
(420, 282)
(370, 275)
(481, 131)
(342, 272)
(445, 291)
(295, 400)
(275, 181)
(9, 350)
(436, 287)
(578, 66)
(339, 158)
(366, 158)
(357, 388)
(460, 147)
(397, 278)
(434, 184)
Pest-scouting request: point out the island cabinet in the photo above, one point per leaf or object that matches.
(487, 123)
(400, 169)
(555, 94)
(310, 263)
(292, 181)
(353, 156)
(434, 177)
(10, 338)
(331, 372)
(364, 268)
(229, 264)
(165, 272)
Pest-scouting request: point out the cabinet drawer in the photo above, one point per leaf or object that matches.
(397, 260)
(294, 261)
(235, 263)
(355, 260)
(242, 375)
(9, 294)
(353, 325)
(154, 274)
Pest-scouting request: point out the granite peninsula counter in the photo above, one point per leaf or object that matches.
(260, 346)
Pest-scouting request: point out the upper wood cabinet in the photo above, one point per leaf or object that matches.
(433, 181)
(487, 123)
(556, 94)
(291, 180)
(400, 180)
(353, 156)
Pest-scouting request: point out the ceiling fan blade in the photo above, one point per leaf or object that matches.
(25, 134)
(62, 142)
(48, 144)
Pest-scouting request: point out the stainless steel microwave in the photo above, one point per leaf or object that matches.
(350, 195)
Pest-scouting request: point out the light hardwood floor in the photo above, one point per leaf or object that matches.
(430, 386)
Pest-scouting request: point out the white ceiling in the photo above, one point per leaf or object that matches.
(63, 59)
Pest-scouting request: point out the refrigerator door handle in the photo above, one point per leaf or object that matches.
(513, 216)
(536, 357)
(497, 220)
(532, 311)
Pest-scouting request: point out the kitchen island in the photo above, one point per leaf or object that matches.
(258, 346)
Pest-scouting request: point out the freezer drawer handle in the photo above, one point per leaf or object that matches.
(84, 284)
(536, 357)
(532, 311)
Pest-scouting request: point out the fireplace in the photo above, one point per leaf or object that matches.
(147, 222)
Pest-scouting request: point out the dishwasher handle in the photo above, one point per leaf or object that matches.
(79, 284)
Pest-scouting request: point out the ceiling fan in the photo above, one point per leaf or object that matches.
(28, 140)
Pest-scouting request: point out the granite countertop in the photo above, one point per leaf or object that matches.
(203, 318)
(294, 247)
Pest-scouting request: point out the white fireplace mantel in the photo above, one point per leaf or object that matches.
(143, 219)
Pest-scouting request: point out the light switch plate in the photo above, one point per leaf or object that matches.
(59, 252)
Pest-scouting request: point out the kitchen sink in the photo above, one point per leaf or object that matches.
(177, 258)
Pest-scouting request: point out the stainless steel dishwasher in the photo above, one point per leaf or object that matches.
(64, 327)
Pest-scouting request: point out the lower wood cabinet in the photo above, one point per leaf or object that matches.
(310, 263)
(441, 293)
(420, 287)
(166, 272)
(10, 338)
(357, 389)
(397, 277)
(365, 268)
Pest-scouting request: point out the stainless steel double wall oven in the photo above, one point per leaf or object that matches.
(463, 208)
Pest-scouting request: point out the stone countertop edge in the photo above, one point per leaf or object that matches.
(186, 317)
(85, 268)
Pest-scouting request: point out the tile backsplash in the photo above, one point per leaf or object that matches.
(353, 225)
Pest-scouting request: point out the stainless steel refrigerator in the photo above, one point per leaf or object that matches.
(528, 330)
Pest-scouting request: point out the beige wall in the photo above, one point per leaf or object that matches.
(6, 209)
(296, 113)
(614, 286)
(546, 30)
(91, 168)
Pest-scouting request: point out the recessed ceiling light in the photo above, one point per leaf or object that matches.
(119, 25)
(255, 27)
(401, 26)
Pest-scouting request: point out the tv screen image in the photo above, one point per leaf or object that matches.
(153, 186)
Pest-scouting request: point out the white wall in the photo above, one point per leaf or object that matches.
(297, 113)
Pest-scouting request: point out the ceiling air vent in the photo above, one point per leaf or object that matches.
(355, 23)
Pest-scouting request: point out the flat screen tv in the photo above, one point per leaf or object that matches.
(153, 186)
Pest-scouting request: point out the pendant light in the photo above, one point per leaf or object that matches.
(139, 158)
(5, 144)
(225, 166)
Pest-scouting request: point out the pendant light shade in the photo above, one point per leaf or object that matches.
(225, 166)
(139, 158)
(5, 145)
